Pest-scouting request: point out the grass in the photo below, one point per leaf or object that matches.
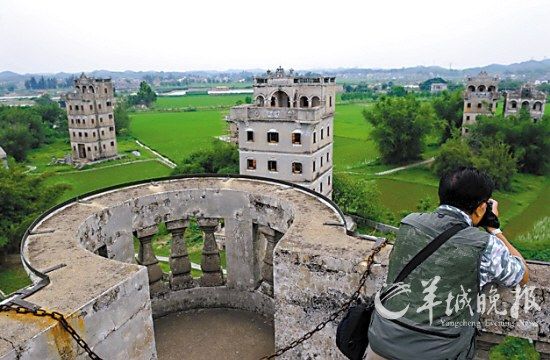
(199, 101)
(177, 134)
(88, 180)
(536, 243)
(513, 348)
(42, 157)
(520, 208)
(12, 278)
(352, 145)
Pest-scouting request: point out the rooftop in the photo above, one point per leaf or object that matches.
(289, 258)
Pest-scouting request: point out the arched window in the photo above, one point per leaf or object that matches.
(304, 102)
(525, 105)
(513, 104)
(315, 101)
(537, 106)
(92, 89)
(280, 99)
(491, 88)
(83, 89)
(481, 88)
(260, 101)
(471, 88)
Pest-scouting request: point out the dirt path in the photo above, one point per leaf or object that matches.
(161, 157)
(391, 171)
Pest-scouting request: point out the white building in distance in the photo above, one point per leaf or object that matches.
(287, 133)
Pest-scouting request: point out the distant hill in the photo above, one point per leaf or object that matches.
(527, 70)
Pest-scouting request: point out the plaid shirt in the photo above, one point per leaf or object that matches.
(497, 264)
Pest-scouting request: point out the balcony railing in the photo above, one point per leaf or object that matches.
(247, 112)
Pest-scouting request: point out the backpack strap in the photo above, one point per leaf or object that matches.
(426, 252)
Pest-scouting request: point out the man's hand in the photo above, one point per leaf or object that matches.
(510, 247)
(494, 209)
(494, 204)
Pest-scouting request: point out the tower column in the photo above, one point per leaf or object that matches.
(210, 263)
(146, 257)
(180, 266)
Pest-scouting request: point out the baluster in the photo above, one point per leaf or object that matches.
(267, 266)
(180, 266)
(146, 257)
(210, 263)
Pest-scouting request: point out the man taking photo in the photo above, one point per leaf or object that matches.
(437, 291)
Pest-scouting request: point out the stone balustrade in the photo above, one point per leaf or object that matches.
(288, 256)
(252, 112)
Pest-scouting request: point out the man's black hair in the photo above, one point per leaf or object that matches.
(465, 188)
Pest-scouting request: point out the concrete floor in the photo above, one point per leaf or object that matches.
(213, 334)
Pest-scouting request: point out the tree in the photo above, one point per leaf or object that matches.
(454, 153)
(400, 127)
(145, 95)
(529, 141)
(357, 196)
(397, 90)
(221, 158)
(122, 119)
(449, 107)
(544, 87)
(52, 115)
(498, 162)
(20, 130)
(22, 198)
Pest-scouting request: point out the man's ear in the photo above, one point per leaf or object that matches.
(478, 213)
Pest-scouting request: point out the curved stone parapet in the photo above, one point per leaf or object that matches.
(288, 256)
(110, 300)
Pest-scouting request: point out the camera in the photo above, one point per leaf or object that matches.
(489, 219)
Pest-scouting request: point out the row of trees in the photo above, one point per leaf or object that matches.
(40, 84)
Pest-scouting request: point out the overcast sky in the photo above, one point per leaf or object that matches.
(74, 36)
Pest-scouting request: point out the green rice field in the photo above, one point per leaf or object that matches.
(199, 101)
(84, 181)
(352, 145)
(177, 134)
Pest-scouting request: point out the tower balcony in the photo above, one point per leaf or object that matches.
(489, 95)
(289, 258)
(253, 112)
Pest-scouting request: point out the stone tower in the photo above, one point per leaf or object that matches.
(287, 133)
(525, 98)
(90, 112)
(480, 98)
